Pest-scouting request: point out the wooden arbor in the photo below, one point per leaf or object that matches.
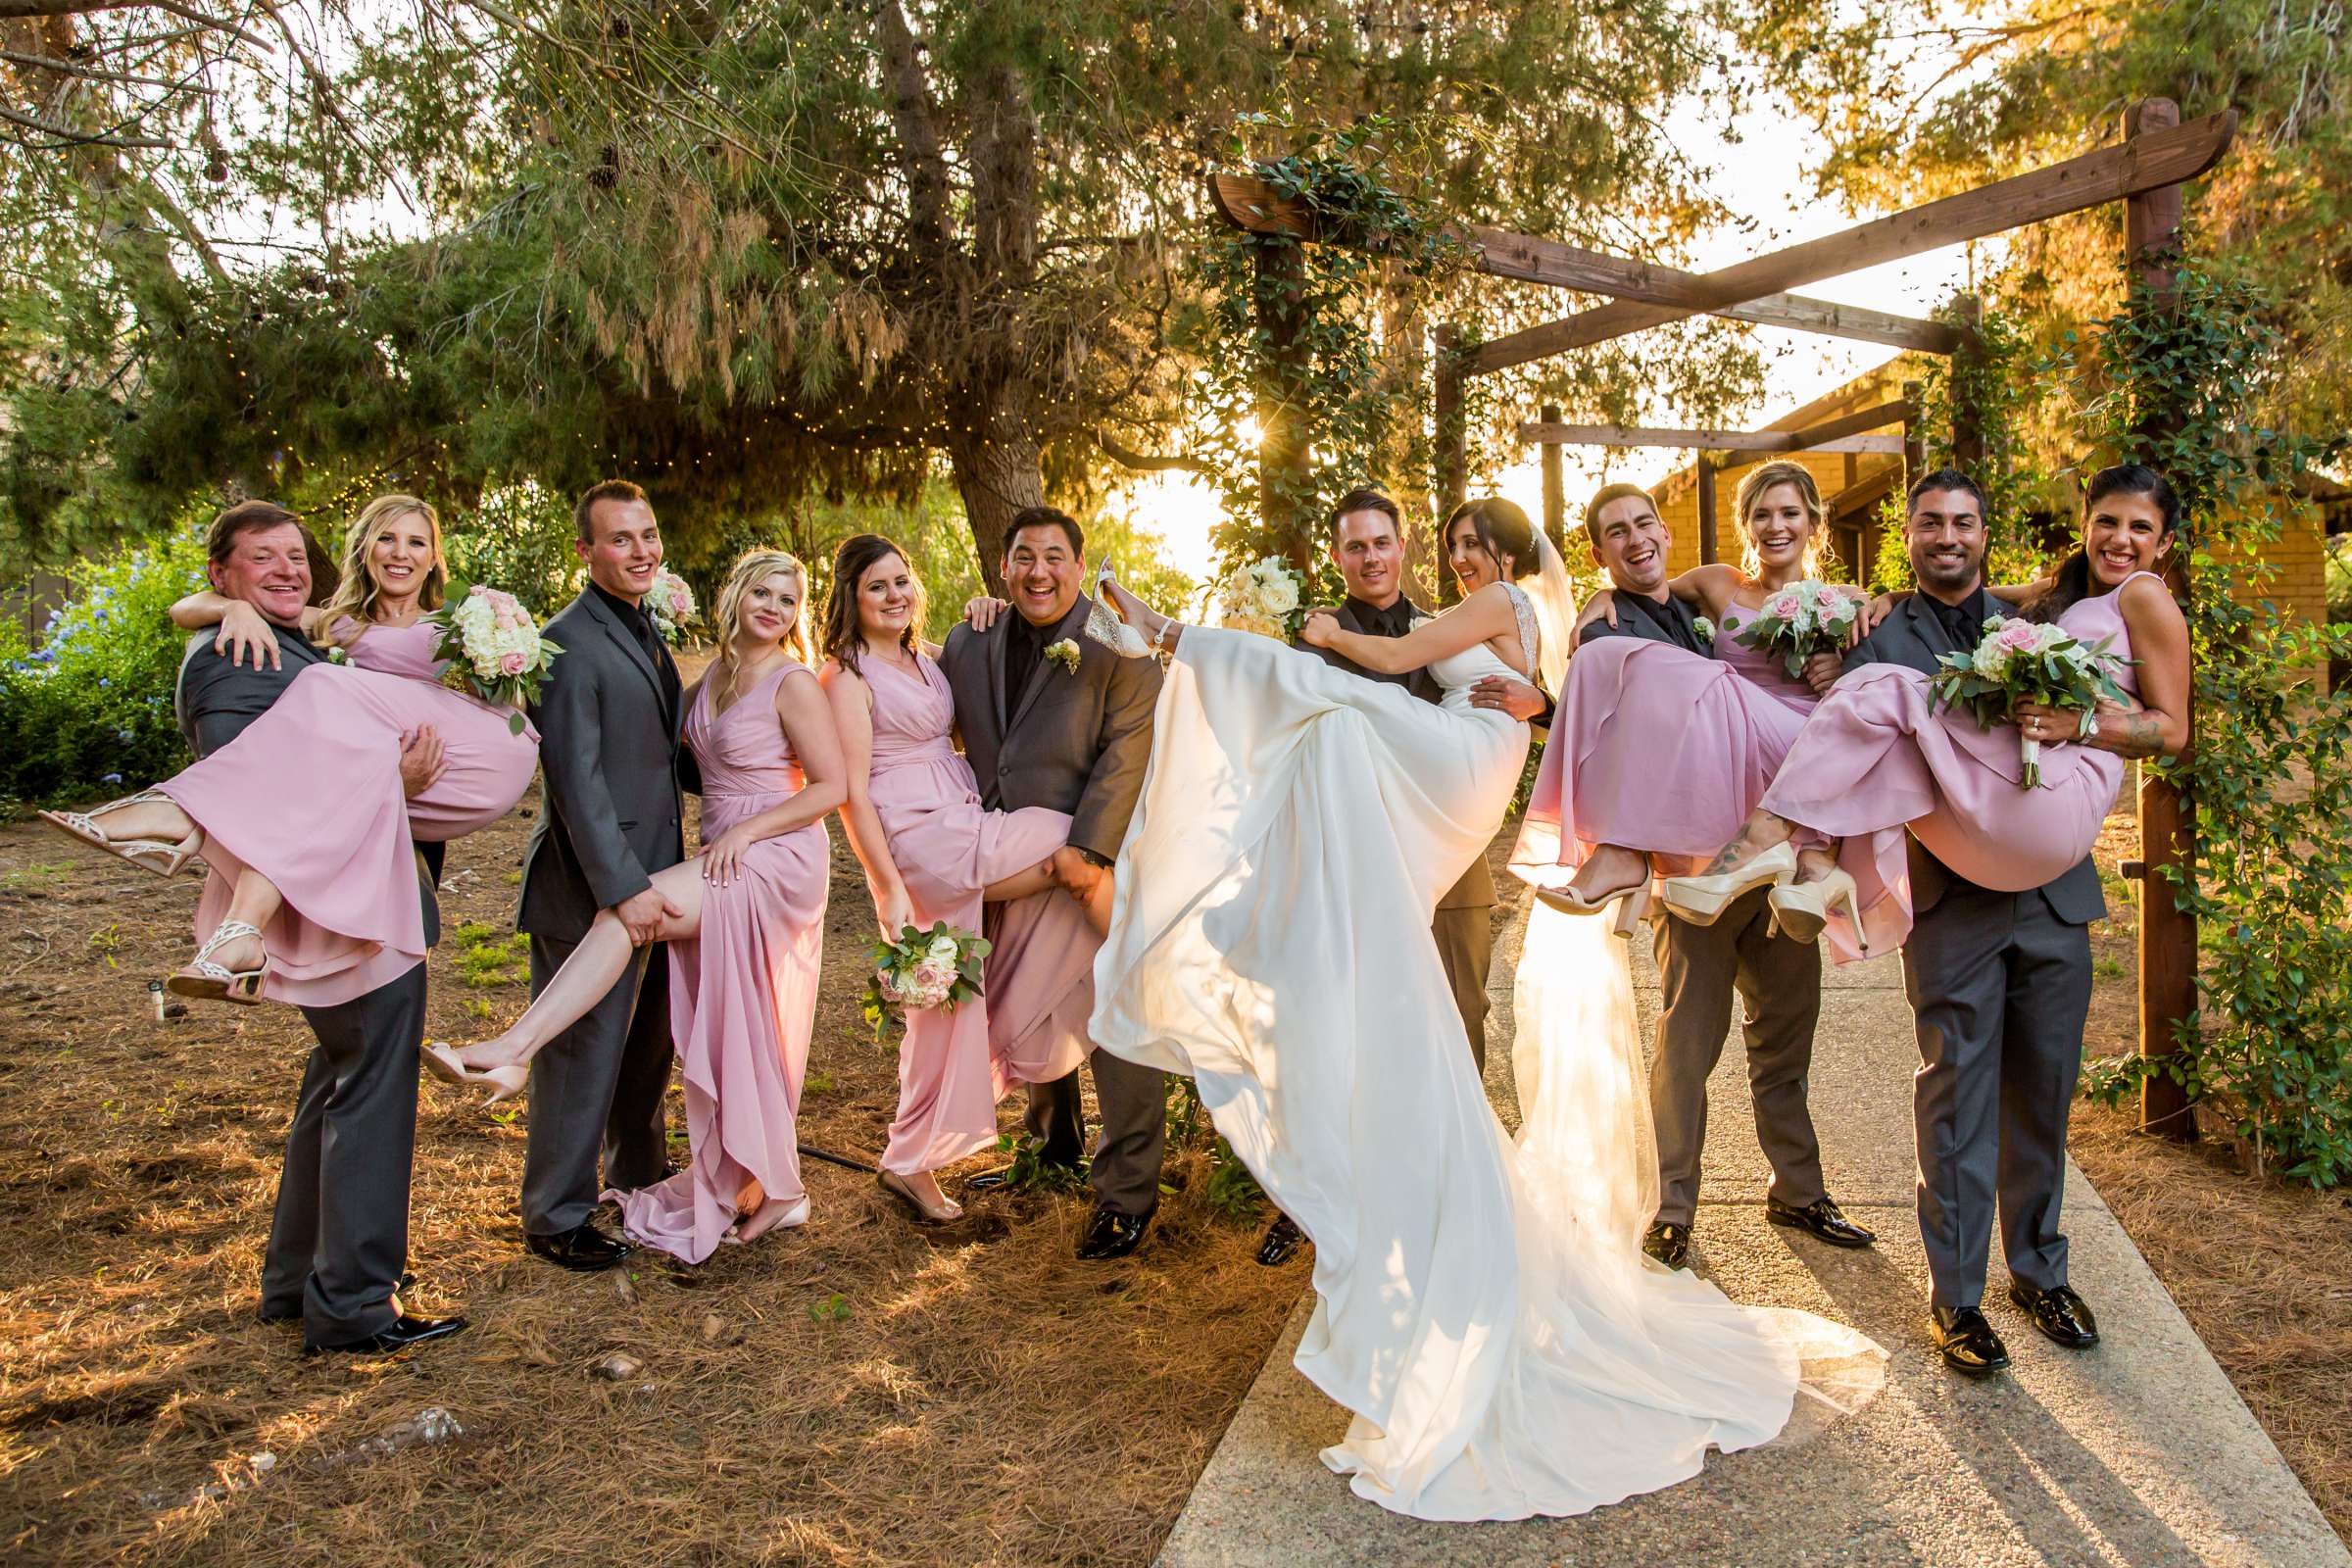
(2145, 170)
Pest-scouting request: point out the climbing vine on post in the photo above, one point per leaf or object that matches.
(1296, 405)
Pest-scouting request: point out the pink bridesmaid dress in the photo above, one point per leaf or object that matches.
(1657, 749)
(743, 990)
(947, 847)
(309, 796)
(1878, 757)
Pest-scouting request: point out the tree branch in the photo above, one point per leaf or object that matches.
(66, 67)
(34, 10)
(66, 135)
(1144, 463)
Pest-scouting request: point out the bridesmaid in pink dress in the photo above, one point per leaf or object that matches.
(1619, 798)
(314, 897)
(1878, 759)
(931, 853)
(745, 933)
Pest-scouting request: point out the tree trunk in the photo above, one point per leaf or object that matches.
(996, 473)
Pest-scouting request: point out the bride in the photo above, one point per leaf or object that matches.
(1483, 1309)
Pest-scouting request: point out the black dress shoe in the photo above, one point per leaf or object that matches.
(1111, 1234)
(583, 1248)
(1281, 1242)
(2060, 1315)
(398, 1334)
(1670, 1245)
(291, 1317)
(1819, 1218)
(1968, 1341)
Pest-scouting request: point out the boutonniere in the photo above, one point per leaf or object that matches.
(1704, 627)
(1065, 654)
(336, 656)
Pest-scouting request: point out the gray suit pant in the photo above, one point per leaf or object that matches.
(1465, 940)
(339, 1239)
(1133, 1101)
(1779, 980)
(599, 1084)
(2000, 987)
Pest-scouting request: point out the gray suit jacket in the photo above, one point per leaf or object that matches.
(1912, 637)
(1078, 742)
(1476, 889)
(608, 753)
(215, 699)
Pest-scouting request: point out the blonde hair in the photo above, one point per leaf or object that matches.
(354, 599)
(754, 565)
(1752, 486)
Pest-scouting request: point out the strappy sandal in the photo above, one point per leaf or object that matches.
(217, 982)
(160, 856)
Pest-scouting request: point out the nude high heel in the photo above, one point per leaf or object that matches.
(1107, 626)
(1701, 899)
(217, 982)
(895, 1186)
(1801, 909)
(163, 856)
(1632, 903)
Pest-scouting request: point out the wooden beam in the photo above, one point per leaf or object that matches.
(2149, 160)
(1863, 494)
(1556, 488)
(1813, 436)
(1254, 205)
(1968, 363)
(1704, 473)
(1635, 435)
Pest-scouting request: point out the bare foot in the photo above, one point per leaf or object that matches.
(777, 1213)
(149, 820)
(1613, 868)
(1760, 832)
(499, 1050)
(1816, 866)
(238, 956)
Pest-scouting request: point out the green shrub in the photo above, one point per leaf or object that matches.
(87, 711)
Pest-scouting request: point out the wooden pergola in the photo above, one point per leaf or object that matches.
(2145, 170)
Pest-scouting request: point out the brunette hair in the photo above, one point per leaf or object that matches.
(1366, 499)
(1752, 486)
(2072, 583)
(857, 557)
(1606, 494)
(583, 520)
(1503, 529)
(258, 517)
(354, 599)
(1044, 518)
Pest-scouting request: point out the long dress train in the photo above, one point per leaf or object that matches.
(1655, 748)
(1878, 759)
(1483, 1307)
(309, 796)
(948, 849)
(743, 989)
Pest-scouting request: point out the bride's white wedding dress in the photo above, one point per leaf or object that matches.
(1483, 1304)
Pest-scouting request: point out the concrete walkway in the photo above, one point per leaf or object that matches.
(2135, 1454)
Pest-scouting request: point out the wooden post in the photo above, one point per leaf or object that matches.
(2168, 933)
(1283, 479)
(1704, 474)
(1555, 490)
(1968, 358)
(1452, 435)
(1915, 446)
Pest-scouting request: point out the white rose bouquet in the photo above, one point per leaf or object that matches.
(935, 969)
(1800, 621)
(670, 604)
(2021, 661)
(1267, 597)
(493, 647)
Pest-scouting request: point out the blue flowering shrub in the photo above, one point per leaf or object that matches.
(85, 712)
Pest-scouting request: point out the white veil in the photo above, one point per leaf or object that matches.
(1554, 601)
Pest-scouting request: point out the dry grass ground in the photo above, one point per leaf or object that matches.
(2263, 1270)
(860, 1392)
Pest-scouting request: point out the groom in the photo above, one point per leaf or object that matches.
(1999, 986)
(1701, 967)
(1367, 548)
(1075, 740)
(608, 717)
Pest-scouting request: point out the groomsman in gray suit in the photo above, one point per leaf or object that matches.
(608, 714)
(1367, 547)
(2000, 985)
(1073, 741)
(339, 1235)
(1702, 967)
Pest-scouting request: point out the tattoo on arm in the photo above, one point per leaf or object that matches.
(2141, 736)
